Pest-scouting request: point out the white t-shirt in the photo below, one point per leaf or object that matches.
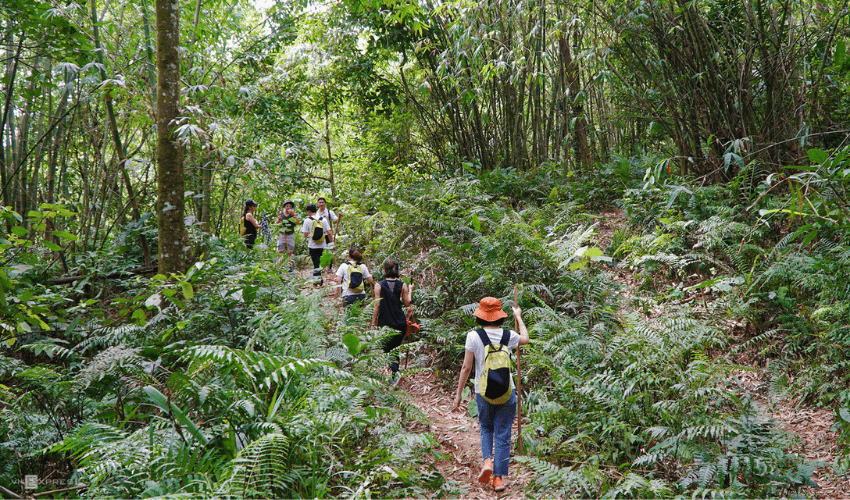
(474, 344)
(342, 272)
(328, 215)
(307, 227)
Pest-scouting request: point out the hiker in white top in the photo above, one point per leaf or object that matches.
(495, 420)
(315, 246)
(323, 211)
(353, 288)
(332, 218)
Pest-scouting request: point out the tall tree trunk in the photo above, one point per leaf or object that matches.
(52, 162)
(574, 97)
(149, 63)
(170, 181)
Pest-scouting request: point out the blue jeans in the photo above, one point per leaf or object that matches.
(495, 422)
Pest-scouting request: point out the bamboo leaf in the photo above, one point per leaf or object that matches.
(817, 156)
(840, 54)
(156, 397)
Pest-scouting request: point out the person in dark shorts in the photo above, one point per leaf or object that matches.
(353, 286)
(315, 246)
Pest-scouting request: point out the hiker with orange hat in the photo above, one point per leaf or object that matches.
(494, 419)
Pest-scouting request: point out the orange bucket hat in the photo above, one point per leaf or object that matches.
(490, 309)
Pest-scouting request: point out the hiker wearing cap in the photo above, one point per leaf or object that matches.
(288, 221)
(353, 289)
(390, 294)
(315, 229)
(249, 224)
(494, 419)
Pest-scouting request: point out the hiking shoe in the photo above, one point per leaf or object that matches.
(498, 484)
(486, 471)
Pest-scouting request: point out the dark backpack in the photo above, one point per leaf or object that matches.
(495, 382)
(317, 233)
(391, 313)
(355, 277)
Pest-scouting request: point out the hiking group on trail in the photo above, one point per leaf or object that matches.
(288, 220)
(487, 348)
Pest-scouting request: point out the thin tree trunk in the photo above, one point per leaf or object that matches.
(577, 111)
(328, 143)
(7, 105)
(116, 139)
(206, 207)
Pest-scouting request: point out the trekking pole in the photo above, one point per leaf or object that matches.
(335, 231)
(518, 383)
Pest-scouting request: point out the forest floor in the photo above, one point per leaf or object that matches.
(459, 439)
(458, 435)
(813, 426)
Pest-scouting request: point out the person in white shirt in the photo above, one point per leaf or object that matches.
(354, 290)
(494, 420)
(324, 211)
(316, 247)
(332, 218)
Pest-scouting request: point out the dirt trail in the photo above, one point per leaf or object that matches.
(458, 436)
(813, 427)
(456, 432)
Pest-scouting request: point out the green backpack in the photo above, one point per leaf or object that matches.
(242, 228)
(317, 232)
(355, 278)
(495, 382)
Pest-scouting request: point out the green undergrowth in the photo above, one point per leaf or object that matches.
(239, 378)
(631, 392)
(231, 381)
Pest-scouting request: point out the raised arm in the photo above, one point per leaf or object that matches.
(407, 294)
(523, 331)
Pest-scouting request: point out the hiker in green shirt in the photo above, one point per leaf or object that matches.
(288, 220)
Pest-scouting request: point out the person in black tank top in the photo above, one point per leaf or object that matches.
(250, 223)
(391, 297)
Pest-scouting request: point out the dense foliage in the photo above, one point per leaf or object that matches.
(665, 183)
